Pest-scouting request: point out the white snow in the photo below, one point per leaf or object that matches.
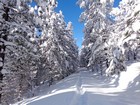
(136, 25)
(103, 1)
(1, 64)
(90, 45)
(35, 8)
(129, 76)
(53, 2)
(87, 88)
(31, 10)
(83, 4)
(137, 8)
(32, 39)
(132, 37)
(115, 11)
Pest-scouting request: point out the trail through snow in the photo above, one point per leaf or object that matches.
(86, 88)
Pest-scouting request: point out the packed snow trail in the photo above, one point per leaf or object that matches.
(86, 88)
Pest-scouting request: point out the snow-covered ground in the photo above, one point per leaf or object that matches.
(86, 88)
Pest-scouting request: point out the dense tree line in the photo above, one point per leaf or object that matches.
(36, 45)
(112, 35)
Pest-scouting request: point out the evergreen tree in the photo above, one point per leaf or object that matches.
(124, 39)
(58, 49)
(94, 52)
(20, 50)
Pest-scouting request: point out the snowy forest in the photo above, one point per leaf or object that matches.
(37, 45)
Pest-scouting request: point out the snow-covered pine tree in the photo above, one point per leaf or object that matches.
(44, 13)
(55, 49)
(130, 38)
(19, 62)
(58, 49)
(124, 38)
(71, 49)
(94, 52)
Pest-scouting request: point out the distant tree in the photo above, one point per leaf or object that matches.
(71, 49)
(95, 51)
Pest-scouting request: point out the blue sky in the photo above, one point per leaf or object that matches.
(71, 12)
(116, 3)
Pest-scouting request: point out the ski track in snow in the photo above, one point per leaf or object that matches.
(78, 98)
(86, 88)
